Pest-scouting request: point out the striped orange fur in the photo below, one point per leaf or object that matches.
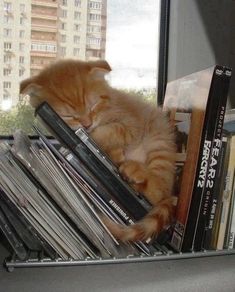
(135, 134)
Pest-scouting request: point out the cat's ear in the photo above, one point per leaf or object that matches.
(99, 69)
(33, 90)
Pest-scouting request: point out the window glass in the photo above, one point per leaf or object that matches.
(37, 33)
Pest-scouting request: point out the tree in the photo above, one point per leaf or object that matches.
(19, 117)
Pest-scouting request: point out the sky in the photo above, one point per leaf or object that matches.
(132, 42)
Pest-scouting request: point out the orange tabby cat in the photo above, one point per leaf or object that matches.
(135, 134)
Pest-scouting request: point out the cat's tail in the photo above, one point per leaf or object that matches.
(148, 227)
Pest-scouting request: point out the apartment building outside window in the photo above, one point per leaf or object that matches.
(37, 33)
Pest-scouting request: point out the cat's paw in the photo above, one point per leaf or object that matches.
(117, 155)
(133, 171)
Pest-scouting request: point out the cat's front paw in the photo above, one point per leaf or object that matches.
(133, 171)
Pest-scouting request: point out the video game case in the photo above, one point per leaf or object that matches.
(137, 206)
(214, 137)
(216, 197)
(217, 91)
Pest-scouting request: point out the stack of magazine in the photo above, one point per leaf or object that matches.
(54, 192)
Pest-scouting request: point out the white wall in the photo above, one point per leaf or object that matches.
(202, 33)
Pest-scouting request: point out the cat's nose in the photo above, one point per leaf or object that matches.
(86, 122)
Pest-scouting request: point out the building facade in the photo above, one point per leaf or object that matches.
(34, 33)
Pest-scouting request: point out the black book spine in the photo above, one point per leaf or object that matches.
(216, 142)
(129, 200)
(204, 155)
(215, 198)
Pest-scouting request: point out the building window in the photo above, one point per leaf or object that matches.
(21, 72)
(6, 71)
(22, 21)
(7, 59)
(22, 8)
(63, 26)
(21, 60)
(63, 38)
(95, 5)
(7, 32)
(21, 34)
(63, 51)
(21, 47)
(7, 19)
(94, 17)
(64, 2)
(77, 27)
(77, 15)
(44, 47)
(6, 85)
(7, 46)
(93, 28)
(77, 3)
(64, 13)
(76, 51)
(7, 6)
(94, 41)
(76, 39)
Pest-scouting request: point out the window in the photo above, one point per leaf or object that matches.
(7, 46)
(76, 52)
(7, 6)
(22, 8)
(7, 59)
(94, 17)
(6, 71)
(64, 13)
(7, 32)
(77, 27)
(21, 34)
(77, 3)
(22, 21)
(95, 5)
(63, 26)
(77, 15)
(76, 39)
(6, 85)
(21, 59)
(43, 47)
(21, 47)
(63, 38)
(21, 72)
(7, 19)
(125, 35)
(63, 51)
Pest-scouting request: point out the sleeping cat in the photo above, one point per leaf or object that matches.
(135, 134)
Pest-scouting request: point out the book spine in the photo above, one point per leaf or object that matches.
(231, 237)
(215, 196)
(128, 199)
(203, 158)
(229, 234)
(226, 201)
(216, 143)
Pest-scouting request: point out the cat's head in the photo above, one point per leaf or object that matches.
(75, 89)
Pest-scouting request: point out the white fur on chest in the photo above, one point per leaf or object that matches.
(136, 153)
